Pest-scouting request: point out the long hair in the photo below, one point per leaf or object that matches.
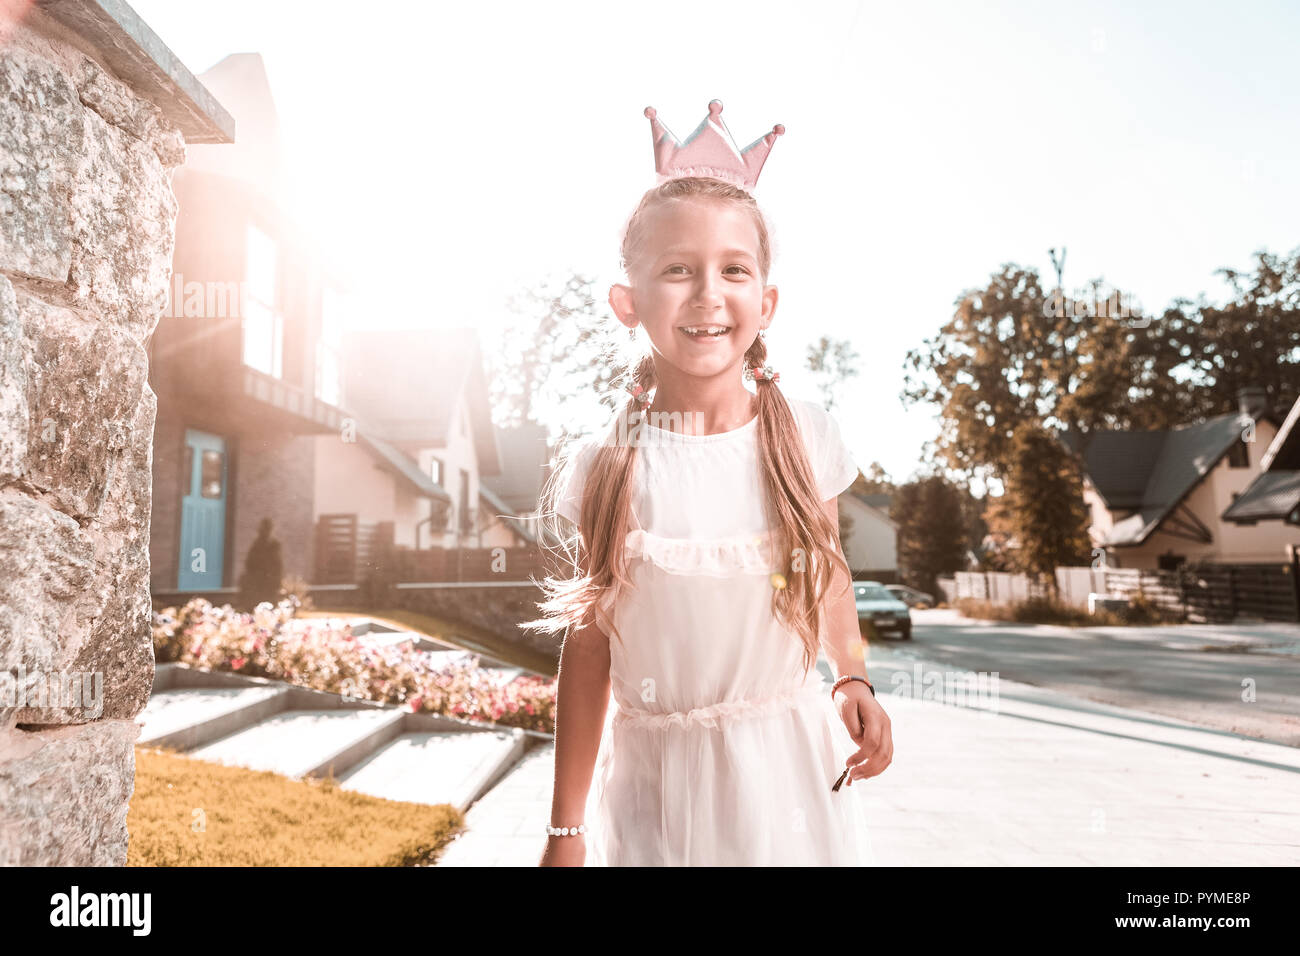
(805, 540)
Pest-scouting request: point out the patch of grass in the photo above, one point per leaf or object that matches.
(1140, 613)
(189, 812)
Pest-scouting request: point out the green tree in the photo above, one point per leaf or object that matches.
(1011, 354)
(873, 480)
(1252, 339)
(832, 362)
(1043, 508)
(932, 533)
(559, 348)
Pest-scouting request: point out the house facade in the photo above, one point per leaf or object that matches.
(421, 446)
(1158, 499)
(245, 360)
(869, 536)
(1274, 495)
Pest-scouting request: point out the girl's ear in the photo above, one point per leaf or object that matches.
(620, 300)
(770, 296)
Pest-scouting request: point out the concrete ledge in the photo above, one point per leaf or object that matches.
(114, 34)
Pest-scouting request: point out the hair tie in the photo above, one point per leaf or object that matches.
(755, 372)
(640, 393)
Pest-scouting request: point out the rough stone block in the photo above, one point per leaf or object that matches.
(42, 134)
(64, 794)
(83, 383)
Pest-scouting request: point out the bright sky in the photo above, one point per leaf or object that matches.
(458, 151)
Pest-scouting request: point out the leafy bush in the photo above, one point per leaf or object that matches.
(271, 642)
(1047, 610)
(296, 587)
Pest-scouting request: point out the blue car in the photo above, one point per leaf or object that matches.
(878, 610)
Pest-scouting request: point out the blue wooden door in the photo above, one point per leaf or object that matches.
(203, 511)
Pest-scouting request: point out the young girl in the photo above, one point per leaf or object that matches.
(708, 574)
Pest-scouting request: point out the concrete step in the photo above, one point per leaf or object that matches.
(507, 826)
(437, 767)
(187, 717)
(371, 748)
(300, 743)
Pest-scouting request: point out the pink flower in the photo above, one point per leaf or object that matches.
(238, 662)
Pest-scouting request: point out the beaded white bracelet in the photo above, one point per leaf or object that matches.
(566, 831)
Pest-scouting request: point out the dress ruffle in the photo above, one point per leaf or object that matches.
(720, 714)
(718, 557)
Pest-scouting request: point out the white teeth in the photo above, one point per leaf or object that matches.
(711, 330)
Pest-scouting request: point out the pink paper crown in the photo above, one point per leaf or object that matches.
(709, 151)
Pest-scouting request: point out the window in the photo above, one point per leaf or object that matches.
(1239, 455)
(465, 524)
(435, 470)
(210, 481)
(329, 348)
(263, 325)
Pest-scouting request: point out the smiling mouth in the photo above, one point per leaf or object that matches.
(706, 331)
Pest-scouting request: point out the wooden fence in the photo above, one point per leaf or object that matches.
(470, 564)
(1206, 593)
(348, 551)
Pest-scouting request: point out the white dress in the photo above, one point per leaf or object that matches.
(717, 751)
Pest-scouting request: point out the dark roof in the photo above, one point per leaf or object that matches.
(501, 510)
(878, 503)
(400, 464)
(1284, 452)
(525, 459)
(1151, 472)
(1273, 496)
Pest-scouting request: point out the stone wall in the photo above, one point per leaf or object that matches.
(86, 236)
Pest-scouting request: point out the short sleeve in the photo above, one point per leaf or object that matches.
(572, 480)
(830, 457)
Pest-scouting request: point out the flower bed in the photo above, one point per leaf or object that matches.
(271, 642)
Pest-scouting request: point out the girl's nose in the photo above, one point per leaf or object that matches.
(707, 292)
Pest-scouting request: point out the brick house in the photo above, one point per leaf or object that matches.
(245, 360)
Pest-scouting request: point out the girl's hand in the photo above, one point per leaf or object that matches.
(868, 725)
(565, 851)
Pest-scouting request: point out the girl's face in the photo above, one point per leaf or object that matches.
(697, 269)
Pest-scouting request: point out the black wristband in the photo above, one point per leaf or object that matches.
(848, 677)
